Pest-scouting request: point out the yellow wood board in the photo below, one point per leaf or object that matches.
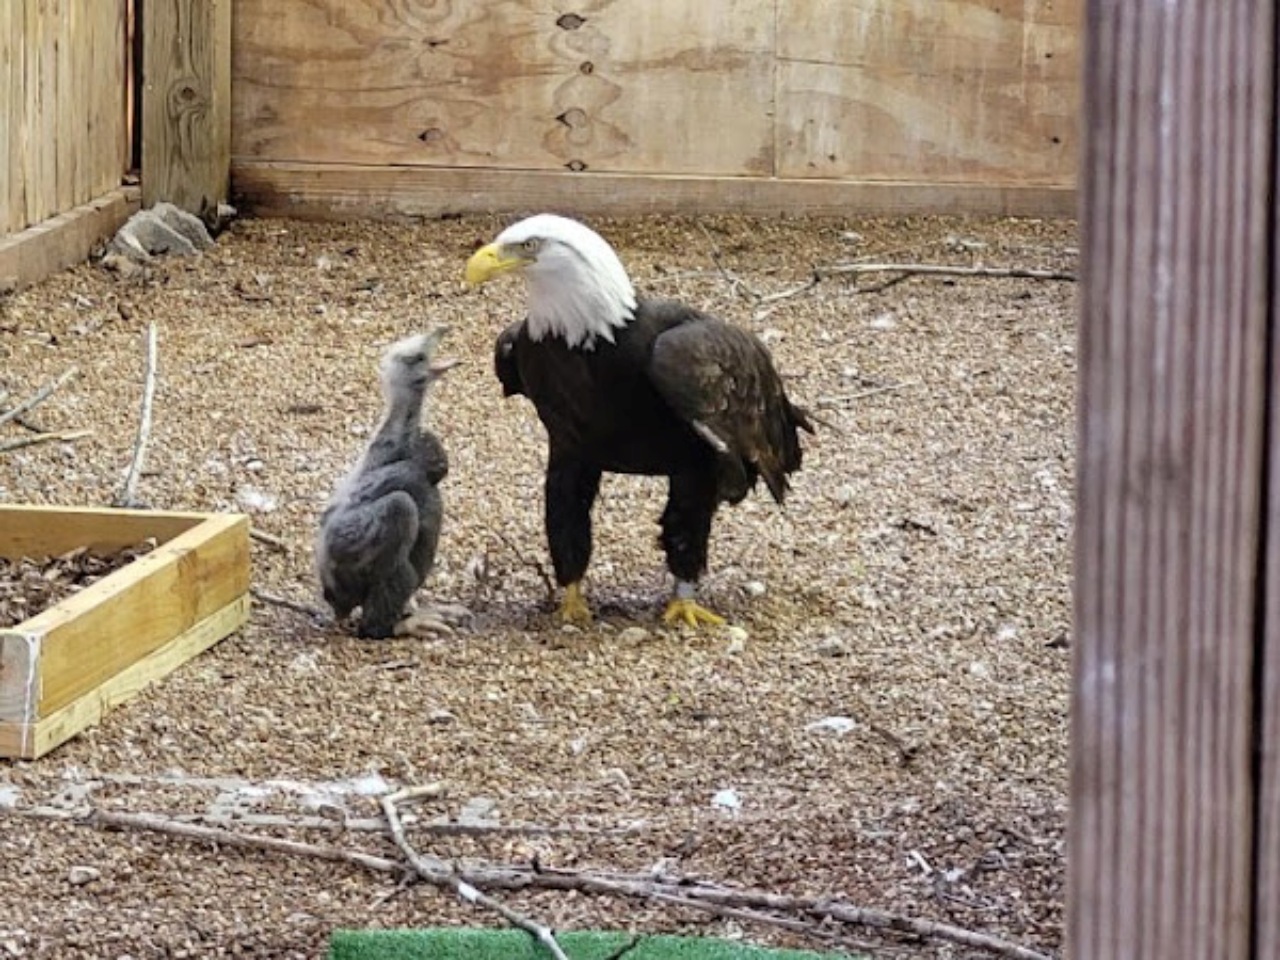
(33, 739)
(61, 669)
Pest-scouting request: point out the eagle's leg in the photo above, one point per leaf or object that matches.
(571, 490)
(686, 527)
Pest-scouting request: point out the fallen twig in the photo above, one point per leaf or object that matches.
(26, 423)
(735, 282)
(229, 838)
(696, 895)
(942, 270)
(532, 562)
(432, 873)
(40, 396)
(65, 436)
(904, 271)
(128, 496)
(296, 606)
(869, 392)
(270, 539)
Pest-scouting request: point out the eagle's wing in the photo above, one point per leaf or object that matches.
(721, 380)
(504, 360)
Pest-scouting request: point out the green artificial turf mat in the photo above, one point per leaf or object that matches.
(457, 943)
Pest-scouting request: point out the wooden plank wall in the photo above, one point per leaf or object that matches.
(64, 138)
(1175, 794)
(186, 103)
(979, 94)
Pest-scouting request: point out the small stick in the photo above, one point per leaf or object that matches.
(128, 497)
(793, 292)
(271, 540)
(533, 562)
(870, 392)
(943, 270)
(297, 607)
(40, 396)
(447, 878)
(735, 282)
(65, 436)
(27, 424)
(229, 838)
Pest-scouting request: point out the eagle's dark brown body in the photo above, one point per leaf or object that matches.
(630, 407)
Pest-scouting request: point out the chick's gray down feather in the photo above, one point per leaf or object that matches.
(379, 532)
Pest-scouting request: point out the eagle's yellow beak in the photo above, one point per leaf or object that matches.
(491, 261)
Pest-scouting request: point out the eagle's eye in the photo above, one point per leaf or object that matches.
(530, 245)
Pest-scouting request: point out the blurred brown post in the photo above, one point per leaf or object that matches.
(1175, 794)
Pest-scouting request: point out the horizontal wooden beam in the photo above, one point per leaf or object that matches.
(349, 191)
(65, 240)
(38, 531)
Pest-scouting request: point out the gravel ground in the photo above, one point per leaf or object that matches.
(917, 585)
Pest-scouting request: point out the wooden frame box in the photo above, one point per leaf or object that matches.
(63, 669)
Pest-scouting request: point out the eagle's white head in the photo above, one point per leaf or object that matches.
(578, 288)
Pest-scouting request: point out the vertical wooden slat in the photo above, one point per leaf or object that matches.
(1267, 843)
(10, 50)
(130, 146)
(32, 169)
(70, 107)
(1173, 336)
(186, 102)
(108, 130)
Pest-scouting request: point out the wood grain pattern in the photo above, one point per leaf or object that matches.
(62, 78)
(19, 678)
(614, 85)
(37, 158)
(59, 242)
(1174, 334)
(1267, 843)
(186, 103)
(30, 530)
(12, 17)
(33, 739)
(940, 90)
(63, 668)
(95, 634)
(340, 191)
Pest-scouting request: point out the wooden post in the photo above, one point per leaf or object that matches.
(1168, 822)
(1267, 844)
(186, 102)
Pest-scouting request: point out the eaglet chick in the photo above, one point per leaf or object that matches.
(379, 532)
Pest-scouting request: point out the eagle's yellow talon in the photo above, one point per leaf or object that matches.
(574, 609)
(690, 614)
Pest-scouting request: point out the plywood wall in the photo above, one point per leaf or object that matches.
(929, 90)
(64, 137)
(976, 93)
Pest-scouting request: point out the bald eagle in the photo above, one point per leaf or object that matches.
(630, 385)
